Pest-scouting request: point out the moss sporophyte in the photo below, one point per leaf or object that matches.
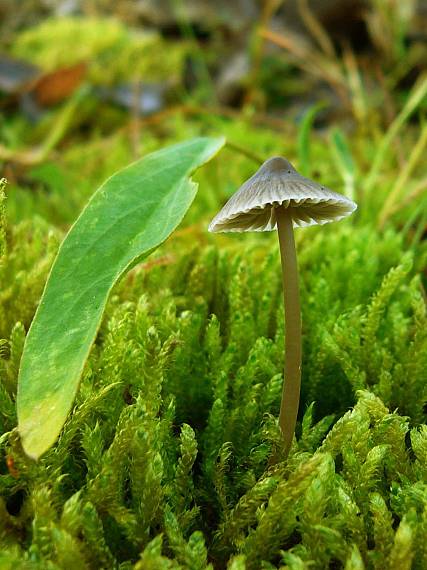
(278, 197)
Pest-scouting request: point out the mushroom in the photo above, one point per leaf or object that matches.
(277, 196)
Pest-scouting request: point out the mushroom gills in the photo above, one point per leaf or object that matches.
(308, 212)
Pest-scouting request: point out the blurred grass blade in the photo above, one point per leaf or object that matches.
(304, 149)
(392, 200)
(316, 29)
(419, 224)
(358, 96)
(127, 218)
(60, 127)
(418, 191)
(344, 161)
(416, 97)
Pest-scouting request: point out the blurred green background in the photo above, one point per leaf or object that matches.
(337, 86)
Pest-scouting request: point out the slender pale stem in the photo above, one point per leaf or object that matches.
(293, 350)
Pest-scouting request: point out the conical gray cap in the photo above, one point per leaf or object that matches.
(277, 183)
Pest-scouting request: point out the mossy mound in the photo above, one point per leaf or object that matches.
(165, 461)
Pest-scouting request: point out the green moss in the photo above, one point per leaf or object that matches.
(104, 44)
(164, 461)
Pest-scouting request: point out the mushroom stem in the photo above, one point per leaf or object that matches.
(292, 380)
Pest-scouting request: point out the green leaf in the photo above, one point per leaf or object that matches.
(129, 216)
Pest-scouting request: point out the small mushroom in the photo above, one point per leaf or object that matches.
(277, 197)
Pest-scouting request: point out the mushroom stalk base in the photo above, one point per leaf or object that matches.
(293, 350)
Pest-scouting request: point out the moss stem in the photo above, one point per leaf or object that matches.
(292, 379)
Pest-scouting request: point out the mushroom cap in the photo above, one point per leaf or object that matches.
(277, 183)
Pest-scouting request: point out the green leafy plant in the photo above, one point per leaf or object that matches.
(126, 219)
